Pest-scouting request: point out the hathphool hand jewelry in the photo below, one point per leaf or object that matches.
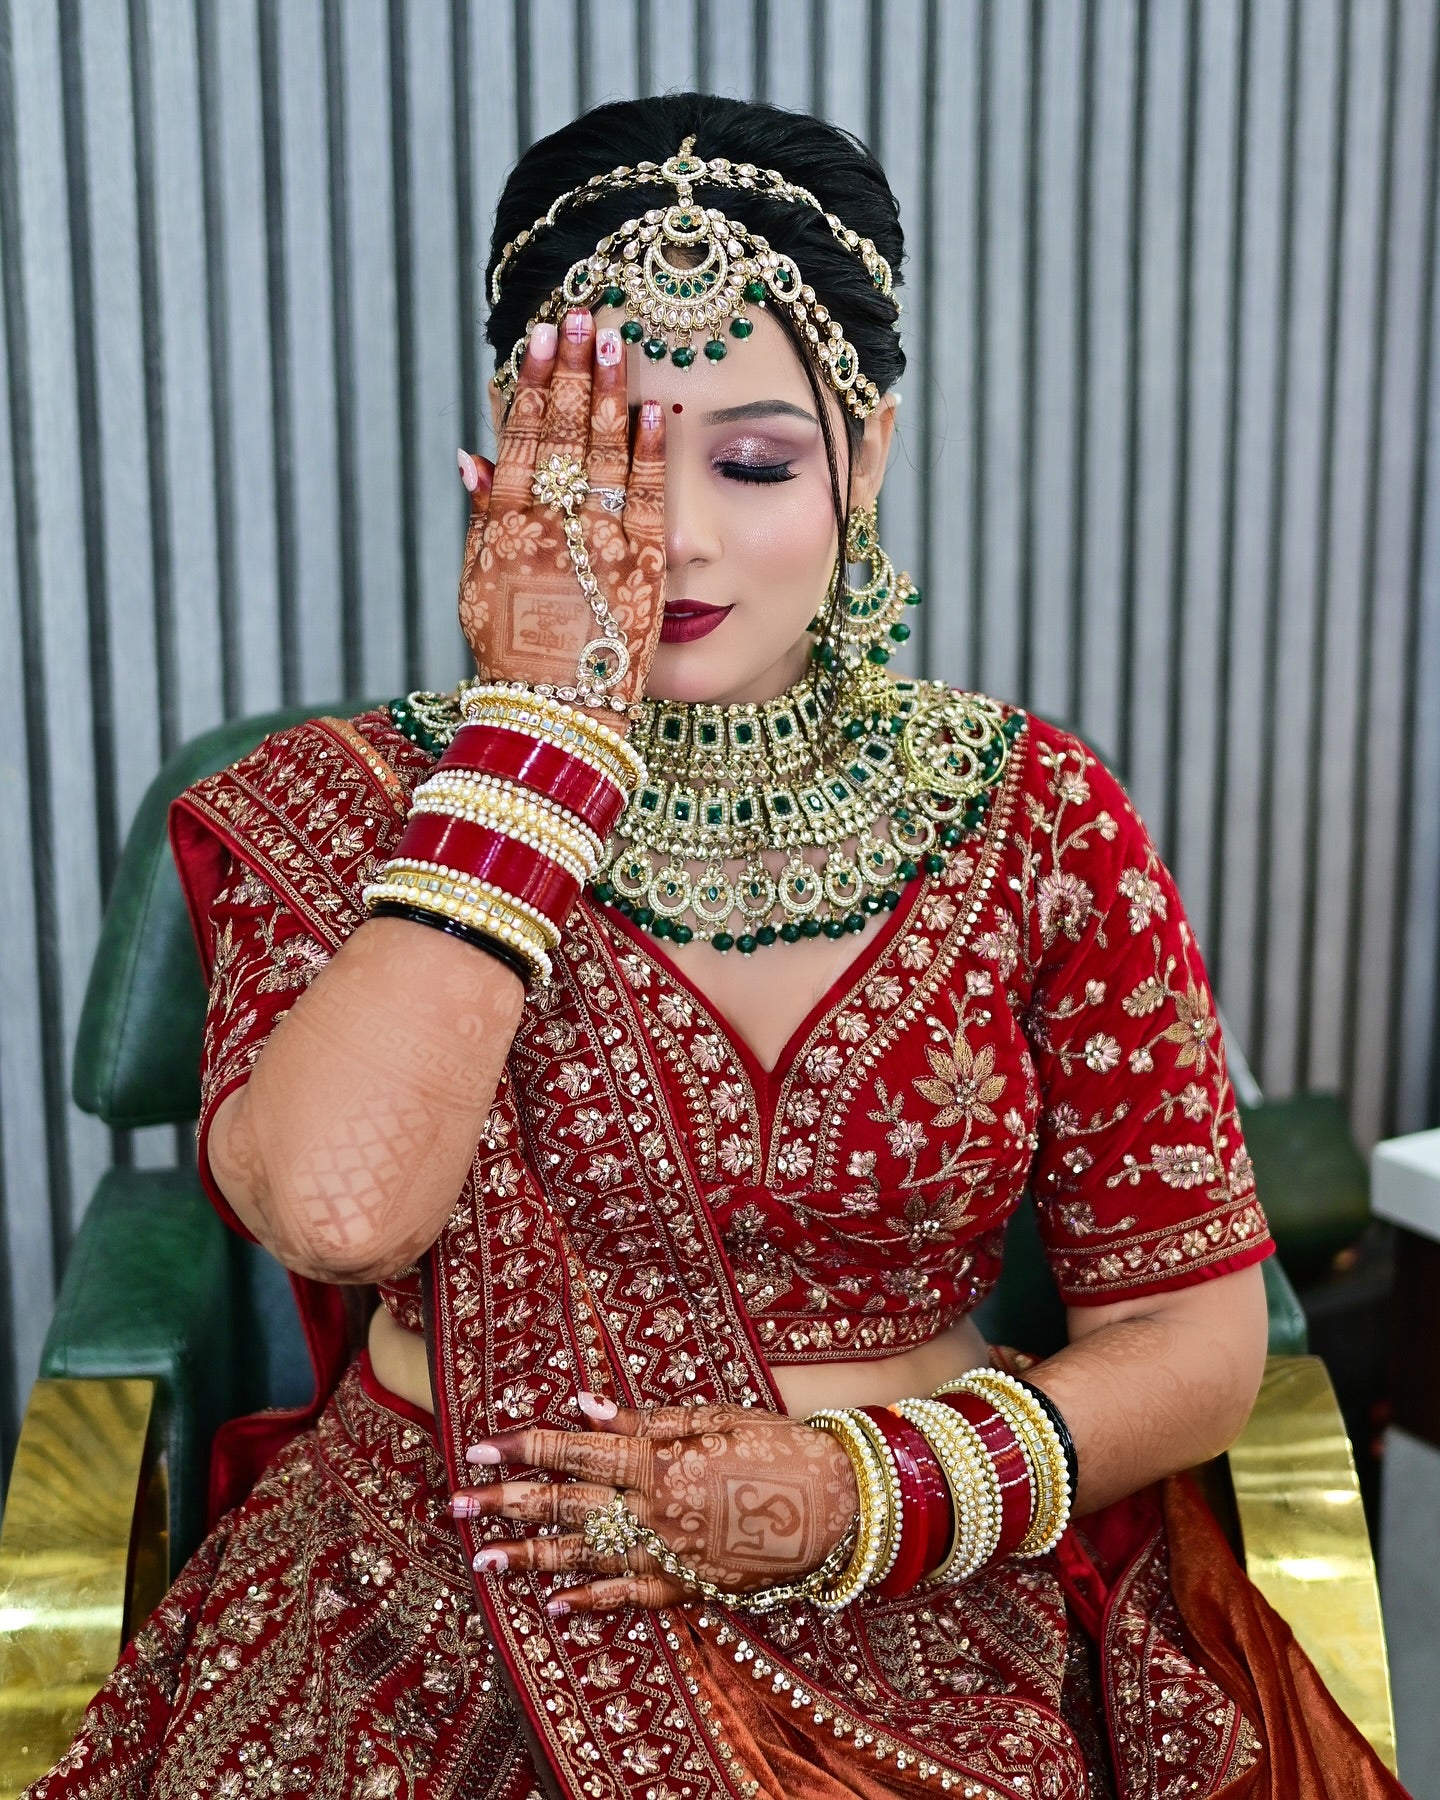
(613, 1530)
(685, 272)
(605, 661)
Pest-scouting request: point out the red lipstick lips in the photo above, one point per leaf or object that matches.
(687, 620)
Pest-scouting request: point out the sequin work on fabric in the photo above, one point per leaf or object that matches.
(321, 1642)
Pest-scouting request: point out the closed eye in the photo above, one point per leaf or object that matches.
(748, 471)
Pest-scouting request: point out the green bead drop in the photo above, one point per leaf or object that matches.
(855, 921)
(899, 632)
(614, 296)
(790, 932)
(682, 356)
(755, 291)
(765, 935)
(745, 944)
(655, 349)
(682, 934)
(934, 865)
(877, 653)
(723, 941)
(741, 328)
(811, 928)
(834, 928)
(632, 331)
(715, 350)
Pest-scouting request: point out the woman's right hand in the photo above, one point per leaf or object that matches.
(521, 606)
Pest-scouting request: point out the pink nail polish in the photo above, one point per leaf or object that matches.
(608, 348)
(650, 414)
(557, 1609)
(597, 1406)
(469, 470)
(465, 1506)
(577, 326)
(490, 1561)
(543, 340)
(484, 1454)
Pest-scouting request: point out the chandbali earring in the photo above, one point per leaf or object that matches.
(863, 625)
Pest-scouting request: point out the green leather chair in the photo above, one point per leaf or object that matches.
(167, 1324)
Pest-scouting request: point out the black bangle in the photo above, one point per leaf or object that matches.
(1062, 1431)
(480, 940)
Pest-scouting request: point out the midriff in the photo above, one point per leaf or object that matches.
(398, 1358)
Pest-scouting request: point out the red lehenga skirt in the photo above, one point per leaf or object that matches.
(326, 1640)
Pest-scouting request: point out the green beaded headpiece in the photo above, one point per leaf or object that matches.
(685, 272)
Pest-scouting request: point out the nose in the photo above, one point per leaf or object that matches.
(692, 537)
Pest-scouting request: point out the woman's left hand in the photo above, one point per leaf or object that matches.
(746, 1499)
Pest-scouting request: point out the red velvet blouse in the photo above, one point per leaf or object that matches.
(1036, 1016)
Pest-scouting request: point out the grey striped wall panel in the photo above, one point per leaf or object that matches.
(1166, 462)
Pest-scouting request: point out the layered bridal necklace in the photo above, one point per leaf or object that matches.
(856, 807)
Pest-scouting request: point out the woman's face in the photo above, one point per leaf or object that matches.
(750, 539)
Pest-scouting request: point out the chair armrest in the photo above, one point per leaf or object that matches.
(1289, 1330)
(82, 1560)
(149, 1291)
(1305, 1540)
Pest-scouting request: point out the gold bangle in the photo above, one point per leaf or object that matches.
(470, 903)
(894, 1499)
(873, 1533)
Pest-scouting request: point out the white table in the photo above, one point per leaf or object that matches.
(1405, 1190)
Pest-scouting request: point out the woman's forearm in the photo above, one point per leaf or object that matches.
(1151, 1387)
(347, 1147)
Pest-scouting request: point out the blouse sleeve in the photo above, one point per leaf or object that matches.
(260, 958)
(1141, 1176)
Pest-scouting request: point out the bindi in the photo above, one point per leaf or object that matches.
(676, 407)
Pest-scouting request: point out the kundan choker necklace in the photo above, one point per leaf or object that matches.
(858, 806)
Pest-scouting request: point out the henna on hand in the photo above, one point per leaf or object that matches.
(521, 607)
(744, 1498)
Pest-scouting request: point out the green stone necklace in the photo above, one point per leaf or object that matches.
(859, 807)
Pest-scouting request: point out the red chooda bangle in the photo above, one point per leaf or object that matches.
(927, 1518)
(594, 797)
(483, 854)
(1017, 1490)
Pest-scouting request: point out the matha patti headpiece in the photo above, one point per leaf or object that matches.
(686, 271)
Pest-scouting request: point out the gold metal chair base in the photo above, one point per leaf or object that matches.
(1305, 1540)
(81, 1564)
(80, 1560)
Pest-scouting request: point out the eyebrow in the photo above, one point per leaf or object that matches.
(760, 409)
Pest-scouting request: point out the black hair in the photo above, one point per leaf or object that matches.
(835, 166)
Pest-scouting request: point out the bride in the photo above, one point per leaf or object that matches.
(667, 1024)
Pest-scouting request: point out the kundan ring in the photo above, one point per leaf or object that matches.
(560, 483)
(611, 1530)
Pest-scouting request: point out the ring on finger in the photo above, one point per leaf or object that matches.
(612, 1529)
(611, 498)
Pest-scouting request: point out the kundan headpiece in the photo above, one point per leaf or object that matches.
(685, 272)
